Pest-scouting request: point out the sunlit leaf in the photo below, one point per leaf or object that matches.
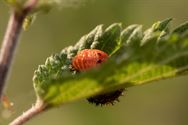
(136, 58)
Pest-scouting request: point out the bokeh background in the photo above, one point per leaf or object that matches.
(160, 103)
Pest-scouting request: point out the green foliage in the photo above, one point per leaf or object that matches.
(136, 58)
(17, 4)
(42, 5)
(13, 2)
(47, 5)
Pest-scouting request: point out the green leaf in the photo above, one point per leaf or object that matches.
(46, 5)
(42, 5)
(17, 4)
(11, 1)
(108, 41)
(137, 58)
(159, 29)
(182, 28)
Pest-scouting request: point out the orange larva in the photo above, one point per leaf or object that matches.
(90, 58)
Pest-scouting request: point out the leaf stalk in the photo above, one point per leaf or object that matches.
(30, 113)
(11, 39)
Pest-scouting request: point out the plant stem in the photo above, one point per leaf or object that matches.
(8, 47)
(33, 111)
(10, 40)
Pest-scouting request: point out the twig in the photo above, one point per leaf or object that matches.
(10, 40)
(33, 111)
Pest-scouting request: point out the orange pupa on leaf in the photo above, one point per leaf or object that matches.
(88, 58)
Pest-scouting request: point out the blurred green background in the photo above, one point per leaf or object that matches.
(160, 103)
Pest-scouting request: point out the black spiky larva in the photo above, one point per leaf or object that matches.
(107, 98)
(90, 58)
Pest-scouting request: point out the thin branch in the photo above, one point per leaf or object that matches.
(33, 111)
(10, 40)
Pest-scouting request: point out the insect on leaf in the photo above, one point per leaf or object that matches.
(137, 57)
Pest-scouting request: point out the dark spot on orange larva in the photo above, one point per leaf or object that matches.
(99, 54)
(99, 61)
